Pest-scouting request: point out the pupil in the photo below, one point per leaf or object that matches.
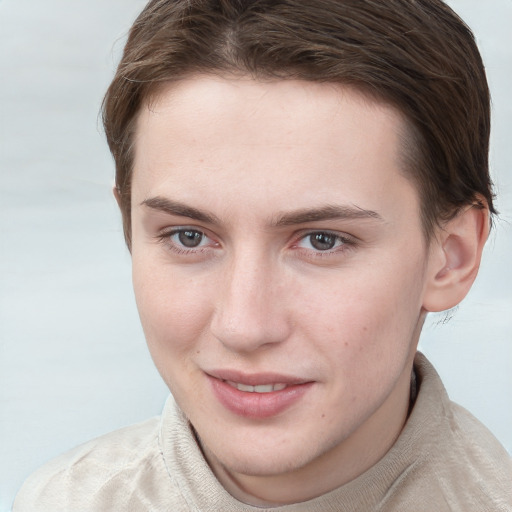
(322, 241)
(190, 238)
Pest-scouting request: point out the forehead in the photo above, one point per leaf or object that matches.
(274, 143)
(196, 101)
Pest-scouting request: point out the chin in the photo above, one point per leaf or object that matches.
(266, 460)
(263, 464)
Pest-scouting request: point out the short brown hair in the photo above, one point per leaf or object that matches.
(416, 55)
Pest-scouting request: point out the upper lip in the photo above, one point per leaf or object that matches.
(256, 379)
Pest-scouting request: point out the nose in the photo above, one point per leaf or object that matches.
(251, 311)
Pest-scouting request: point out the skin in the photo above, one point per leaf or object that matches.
(241, 165)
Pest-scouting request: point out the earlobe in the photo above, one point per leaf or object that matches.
(117, 195)
(455, 258)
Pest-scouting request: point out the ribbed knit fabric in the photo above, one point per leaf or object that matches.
(444, 460)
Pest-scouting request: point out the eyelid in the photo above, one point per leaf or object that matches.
(171, 230)
(346, 237)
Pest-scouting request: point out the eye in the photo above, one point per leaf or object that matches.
(189, 238)
(184, 240)
(323, 241)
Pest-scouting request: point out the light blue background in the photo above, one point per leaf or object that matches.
(73, 362)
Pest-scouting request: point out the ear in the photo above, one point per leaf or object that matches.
(455, 258)
(117, 195)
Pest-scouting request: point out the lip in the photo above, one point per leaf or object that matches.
(257, 405)
(255, 379)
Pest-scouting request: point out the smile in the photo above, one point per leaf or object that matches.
(257, 396)
(263, 388)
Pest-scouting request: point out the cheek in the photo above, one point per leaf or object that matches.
(174, 312)
(365, 321)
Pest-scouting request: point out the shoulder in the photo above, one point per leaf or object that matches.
(462, 461)
(472, 469)
(107, 470)
(478, 449)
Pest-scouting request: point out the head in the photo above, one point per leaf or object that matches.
(300, 182)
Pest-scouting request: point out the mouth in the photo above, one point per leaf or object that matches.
(262, 388)
(257, 396)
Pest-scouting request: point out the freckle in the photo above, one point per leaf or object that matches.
(198, 352)
(323, 415)
(346, 343)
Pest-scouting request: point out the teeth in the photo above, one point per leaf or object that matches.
(263, 388)
(244, 387)
(267, 388)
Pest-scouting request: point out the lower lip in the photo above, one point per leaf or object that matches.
(257, 405)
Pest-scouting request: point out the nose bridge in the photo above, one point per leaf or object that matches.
(249, 312)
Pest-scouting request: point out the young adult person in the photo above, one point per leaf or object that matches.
(300, 183)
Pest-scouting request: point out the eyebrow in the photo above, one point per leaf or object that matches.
(329, 212)
(182, 210)
(302, 216)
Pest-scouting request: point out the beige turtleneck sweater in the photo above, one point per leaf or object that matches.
(444, 460)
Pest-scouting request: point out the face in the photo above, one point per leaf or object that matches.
(279, 269)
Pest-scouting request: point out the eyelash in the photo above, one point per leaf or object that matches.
(345, 242)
